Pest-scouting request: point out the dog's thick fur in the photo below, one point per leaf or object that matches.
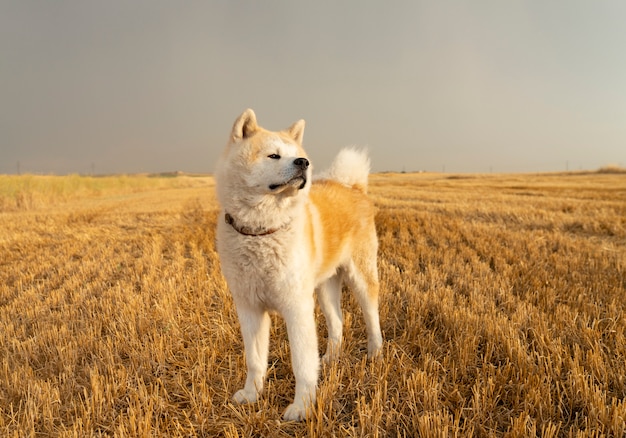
(281, 237)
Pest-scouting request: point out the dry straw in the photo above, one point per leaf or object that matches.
(503, 303)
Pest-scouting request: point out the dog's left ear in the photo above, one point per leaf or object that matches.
(296, 131)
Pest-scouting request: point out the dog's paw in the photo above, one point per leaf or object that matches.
(374, 348)
(295, 412)
(333, 353)
(330, 357)
(244, 396)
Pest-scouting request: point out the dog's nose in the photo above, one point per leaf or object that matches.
(302, 163)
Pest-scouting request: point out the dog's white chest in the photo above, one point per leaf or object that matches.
(265, 271)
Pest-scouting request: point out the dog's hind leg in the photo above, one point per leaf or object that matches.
(255, 328)
(329, 298)
(362, 277)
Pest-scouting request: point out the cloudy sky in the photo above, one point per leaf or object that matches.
(465, 86)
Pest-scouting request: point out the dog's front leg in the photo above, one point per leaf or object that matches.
(302, 334)
(255, 329)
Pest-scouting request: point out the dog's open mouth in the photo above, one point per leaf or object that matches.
(298, 181)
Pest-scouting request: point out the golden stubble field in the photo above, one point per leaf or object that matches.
(503, 309)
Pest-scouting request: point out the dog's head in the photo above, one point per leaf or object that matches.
(258, 163)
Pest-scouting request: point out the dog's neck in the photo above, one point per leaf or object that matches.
(248, 231)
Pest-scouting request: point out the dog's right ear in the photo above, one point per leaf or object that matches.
(244, 126)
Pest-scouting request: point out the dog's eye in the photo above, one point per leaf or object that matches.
(274, 156)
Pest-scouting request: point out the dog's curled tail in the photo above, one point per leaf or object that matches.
(351, 167)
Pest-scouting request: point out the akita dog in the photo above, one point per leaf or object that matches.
(281, 237)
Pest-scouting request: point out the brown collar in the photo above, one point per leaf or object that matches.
(245, 230)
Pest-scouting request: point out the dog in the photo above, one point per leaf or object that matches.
(282, 237)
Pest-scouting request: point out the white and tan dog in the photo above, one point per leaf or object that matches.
(281, 238)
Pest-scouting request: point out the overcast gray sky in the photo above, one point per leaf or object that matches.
(155, 85)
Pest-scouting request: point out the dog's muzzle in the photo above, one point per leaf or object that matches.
(302, 164)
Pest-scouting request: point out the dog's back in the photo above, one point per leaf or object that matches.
(347, 245)
(344, 213)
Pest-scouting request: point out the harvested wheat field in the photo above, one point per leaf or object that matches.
(503, 310)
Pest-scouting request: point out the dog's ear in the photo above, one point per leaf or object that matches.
(244, 126)
(296, 131)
